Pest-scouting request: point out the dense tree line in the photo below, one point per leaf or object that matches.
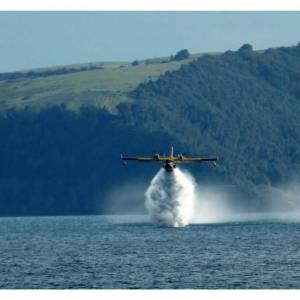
(60, 162)
(242, 106)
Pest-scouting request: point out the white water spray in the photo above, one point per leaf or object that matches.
(174, 199)
(170, 198)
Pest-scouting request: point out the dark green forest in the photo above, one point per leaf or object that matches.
(241, 106)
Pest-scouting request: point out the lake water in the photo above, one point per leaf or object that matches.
(130, 252)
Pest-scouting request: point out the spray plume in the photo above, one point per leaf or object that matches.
(174, 199)
(170, 198)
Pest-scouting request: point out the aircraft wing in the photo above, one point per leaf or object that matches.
(142, 159)
(195, 159)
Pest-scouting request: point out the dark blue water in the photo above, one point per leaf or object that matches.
(129, 252)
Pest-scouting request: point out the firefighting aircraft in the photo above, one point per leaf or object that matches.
(170, 161)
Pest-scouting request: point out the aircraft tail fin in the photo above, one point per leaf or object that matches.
(172, 152)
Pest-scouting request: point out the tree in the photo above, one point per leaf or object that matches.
(135, 63)
(182, 54)
(246, 48)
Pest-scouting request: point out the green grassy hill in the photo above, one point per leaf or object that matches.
(105, 86)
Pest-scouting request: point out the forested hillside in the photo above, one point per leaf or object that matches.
(241, 106)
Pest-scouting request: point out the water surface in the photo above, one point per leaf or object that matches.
(130, 252)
